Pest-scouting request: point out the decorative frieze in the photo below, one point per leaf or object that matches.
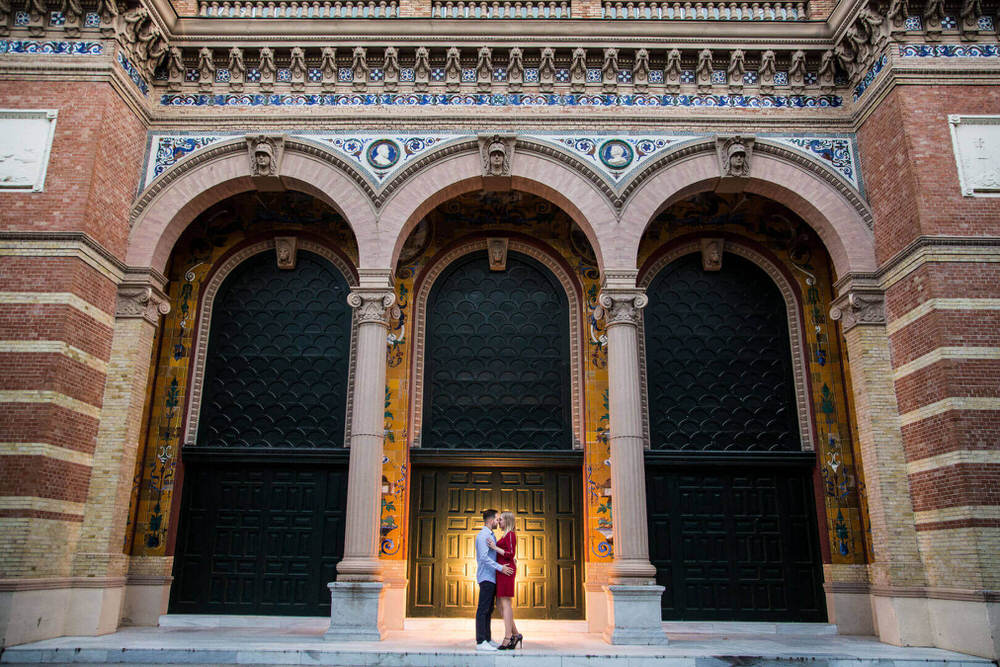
(705, 11)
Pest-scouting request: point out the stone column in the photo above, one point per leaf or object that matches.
(634, 615)
(99, 566)
(897, 575)
(356, 596)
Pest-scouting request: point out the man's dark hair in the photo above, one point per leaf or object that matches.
(488, 514)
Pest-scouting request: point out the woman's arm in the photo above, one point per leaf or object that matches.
(493, 545)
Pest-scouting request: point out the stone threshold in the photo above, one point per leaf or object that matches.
(448, 643)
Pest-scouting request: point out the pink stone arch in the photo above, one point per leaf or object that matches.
(820, 197)
(179, 195)
(461, 172)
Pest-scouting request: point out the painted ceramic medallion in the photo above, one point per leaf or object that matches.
(382, 154)
(616, 154)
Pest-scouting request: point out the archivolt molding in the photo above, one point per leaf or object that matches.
(795, 332)
(575, 330)
(200, 351)
(470, 145)
(232, 146)
(762, 145)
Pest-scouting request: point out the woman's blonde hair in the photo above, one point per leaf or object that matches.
(508, 520)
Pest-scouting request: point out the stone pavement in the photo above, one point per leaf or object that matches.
(194, 640)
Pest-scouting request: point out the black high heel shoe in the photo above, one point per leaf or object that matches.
(516, 640)
(507, 644)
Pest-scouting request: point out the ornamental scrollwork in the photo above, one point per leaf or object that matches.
(142, 302)
(859, 308)
(371, 307)
(622, 308)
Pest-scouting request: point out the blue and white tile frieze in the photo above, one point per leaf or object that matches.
(132, 72)
(51, 47)
(618, 158)
(949, 50)
(870, 75)
(502, 99)
(835, 152)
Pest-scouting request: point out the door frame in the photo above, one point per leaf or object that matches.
(479, 459)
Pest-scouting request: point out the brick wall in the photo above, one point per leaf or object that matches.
(57, 318)
(943, 315)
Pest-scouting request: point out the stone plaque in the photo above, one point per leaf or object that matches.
(25, 142)
(976, 142)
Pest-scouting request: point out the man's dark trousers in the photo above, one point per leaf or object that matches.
(484, 612)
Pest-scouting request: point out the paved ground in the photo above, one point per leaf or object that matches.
(447, 643)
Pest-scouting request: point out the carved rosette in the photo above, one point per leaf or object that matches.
(371, 307)
(141, 302)
(622, 308)
(856, 308)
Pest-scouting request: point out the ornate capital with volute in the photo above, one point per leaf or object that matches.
(855, 307)
(141, 301)
(622, 307)
(371, 306)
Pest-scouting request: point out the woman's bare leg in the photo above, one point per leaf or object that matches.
(507, 611)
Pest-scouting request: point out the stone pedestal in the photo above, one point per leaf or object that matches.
(354, 611)
(634, 615)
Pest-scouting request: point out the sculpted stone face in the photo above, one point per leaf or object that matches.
(496, 162)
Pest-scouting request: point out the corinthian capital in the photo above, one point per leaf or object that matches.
(141, 301)
(371, 305)
(856, 307)
(622, 307)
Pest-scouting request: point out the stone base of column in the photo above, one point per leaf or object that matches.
(634, 615)
(355, 611)
(903, 620)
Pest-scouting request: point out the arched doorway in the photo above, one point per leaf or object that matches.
(731, 514)
(244, 479)
(496, 406)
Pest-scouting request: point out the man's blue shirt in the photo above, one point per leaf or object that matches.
(486, 558)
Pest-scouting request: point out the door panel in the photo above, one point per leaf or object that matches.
(259, 539)
(549, 578)
(733, 544)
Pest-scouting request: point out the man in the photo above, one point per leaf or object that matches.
(486, 575)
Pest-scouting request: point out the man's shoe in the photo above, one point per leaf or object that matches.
(486, 646)
(493, 644)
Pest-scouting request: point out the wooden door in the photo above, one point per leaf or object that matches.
(447, 514)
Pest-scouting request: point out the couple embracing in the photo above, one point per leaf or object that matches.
(495, 573)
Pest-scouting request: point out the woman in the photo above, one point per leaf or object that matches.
(506, 550)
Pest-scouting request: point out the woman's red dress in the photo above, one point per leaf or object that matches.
(505, 582)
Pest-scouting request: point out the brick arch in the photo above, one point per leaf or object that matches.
(179, 195)
(458, 173)
(821, 198)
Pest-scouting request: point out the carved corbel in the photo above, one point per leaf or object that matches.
(734, 153)
(206, 69)
(453, 70)
(265, 153)
(286, 251)
(141, 301)
(297, 69)
(703, 72)
(267, 69)
(547, 70)
(390, 69)
(496, 250)
(859, 307)
(797, 73)
(484, 69)
(827, 72)
(969, 19)
(711, 254)
(736, 70)
(497, 153)
(328, 68)
(640, 71)
(609, 71)
(578, 71)
(237, 69)
(934, 15)
(175, 69)
(766, 72)
(515, 70)
(359, 69)
(672, 72)
(421, 69)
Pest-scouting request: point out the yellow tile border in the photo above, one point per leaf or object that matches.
(943, 353)
(47, 450)
(908, 318)
(967, 456)
(41, 505)
(61, 299)
(55, 347)
(45, 396)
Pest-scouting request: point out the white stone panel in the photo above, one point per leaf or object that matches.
(25, 142)
(976, 143)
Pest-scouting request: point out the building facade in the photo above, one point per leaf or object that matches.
(705, 292)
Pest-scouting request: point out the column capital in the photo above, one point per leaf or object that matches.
(622, 306)
(141, 298)
(859, 304)
(371, 305)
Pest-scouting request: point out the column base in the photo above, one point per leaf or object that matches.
(967, 626)
(634, 615)
(902, 620)
(355, 611)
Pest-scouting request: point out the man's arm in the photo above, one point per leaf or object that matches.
(483, 553)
